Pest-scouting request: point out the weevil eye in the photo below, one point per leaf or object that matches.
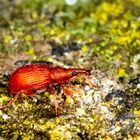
(74, 73)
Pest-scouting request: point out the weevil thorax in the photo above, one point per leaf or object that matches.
(60, 75)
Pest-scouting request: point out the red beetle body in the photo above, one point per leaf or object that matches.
(30, 78)
(33, 77)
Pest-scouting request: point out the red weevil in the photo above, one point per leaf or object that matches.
(35, 77)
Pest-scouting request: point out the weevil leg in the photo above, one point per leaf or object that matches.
(10, 102)
(77, 89)
(57, 108)
(66, 90)
(71, 90)
(87, 80)
(54, 94)
(95, 87)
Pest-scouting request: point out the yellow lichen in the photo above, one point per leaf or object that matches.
(136, 111)
(121, 72)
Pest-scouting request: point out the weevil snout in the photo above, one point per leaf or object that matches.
(81, 71)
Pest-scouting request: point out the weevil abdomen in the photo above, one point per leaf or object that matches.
(29, 77)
